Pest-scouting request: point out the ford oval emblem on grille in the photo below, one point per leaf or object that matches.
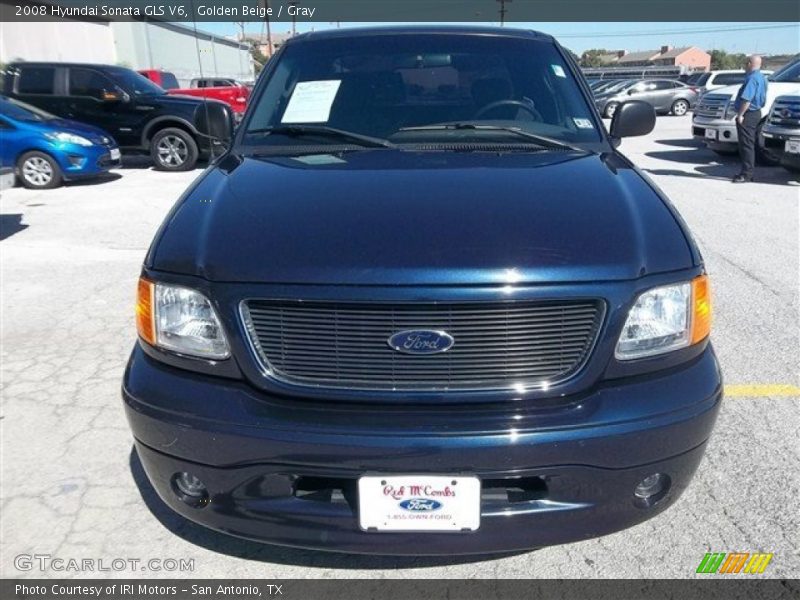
(420, 505)
(421, 341)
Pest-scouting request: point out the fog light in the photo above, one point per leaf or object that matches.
(651, 489)
(726, 134)
(190, 489)
(189, 485)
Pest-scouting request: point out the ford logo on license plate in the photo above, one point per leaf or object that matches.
(421, 341)
(420, 505)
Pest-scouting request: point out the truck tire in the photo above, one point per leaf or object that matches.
(764, 157)
(38, 171)
(173, 149)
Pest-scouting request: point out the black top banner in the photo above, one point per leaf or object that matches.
(377, 11)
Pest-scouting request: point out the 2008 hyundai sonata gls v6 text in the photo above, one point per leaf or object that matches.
(422, 306)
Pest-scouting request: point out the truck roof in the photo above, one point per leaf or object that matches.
(421, 29)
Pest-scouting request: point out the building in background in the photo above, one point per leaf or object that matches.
(690, 58)
(184, 51)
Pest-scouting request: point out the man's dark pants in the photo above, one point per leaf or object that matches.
(747, 141)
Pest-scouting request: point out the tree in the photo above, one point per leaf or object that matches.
(592, 58)
(259, 60)
(720, 59)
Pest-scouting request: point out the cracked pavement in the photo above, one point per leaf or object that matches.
(71, 487)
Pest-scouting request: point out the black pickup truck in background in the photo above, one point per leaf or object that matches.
(174, 130)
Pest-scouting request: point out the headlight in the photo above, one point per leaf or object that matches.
(67, 138)
(179, 319)
(666, 318)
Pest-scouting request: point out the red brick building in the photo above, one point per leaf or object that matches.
(689, 56)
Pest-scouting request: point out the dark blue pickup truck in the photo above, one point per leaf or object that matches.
(423, 305)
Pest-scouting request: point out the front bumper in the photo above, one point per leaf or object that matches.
(77, 161)
(284, 471)
(723, 131)
(774, 140)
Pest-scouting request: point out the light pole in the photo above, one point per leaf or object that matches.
(294, 18)
(503, 11)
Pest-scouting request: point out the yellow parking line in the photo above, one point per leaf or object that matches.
(761, 391)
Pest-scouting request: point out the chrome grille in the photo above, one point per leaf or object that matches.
(712, 106)
(496, 345)
(786, 112)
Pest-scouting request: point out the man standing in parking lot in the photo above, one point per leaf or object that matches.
(749, 101)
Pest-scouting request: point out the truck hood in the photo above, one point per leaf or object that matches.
(425, 218)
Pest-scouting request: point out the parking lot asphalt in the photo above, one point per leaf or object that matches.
(72, 488)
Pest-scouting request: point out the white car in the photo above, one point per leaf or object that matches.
(714, 80)
(713, 120)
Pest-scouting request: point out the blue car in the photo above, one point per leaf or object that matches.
(423, 305)
(47, 150)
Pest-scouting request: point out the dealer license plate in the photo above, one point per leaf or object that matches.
(419, 503)
(115, 154)
(792, 146)
(711, 134)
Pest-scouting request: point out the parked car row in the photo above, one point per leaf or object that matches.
(713, 120)
(666, 96)
(63, 121)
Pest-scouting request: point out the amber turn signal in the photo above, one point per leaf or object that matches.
(145, 316)
(701, 314)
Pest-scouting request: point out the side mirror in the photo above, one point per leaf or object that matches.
(631, 92)
(217, 121)
(116, 95)
(633, 118)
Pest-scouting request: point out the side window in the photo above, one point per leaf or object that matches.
(662, 85)
(169, 81)
(89, 83)
(729, 78)
(36, 80)
(201, 83)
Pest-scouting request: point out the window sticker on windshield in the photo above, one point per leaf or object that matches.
(311, 101)
(558, 70)
(582, 123)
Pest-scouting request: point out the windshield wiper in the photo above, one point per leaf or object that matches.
(540, 140)
(324, 130)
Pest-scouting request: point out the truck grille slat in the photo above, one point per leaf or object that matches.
(497, 344)
(785, 112)
(712, 106)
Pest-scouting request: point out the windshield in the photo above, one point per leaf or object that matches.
(131, 81)
(788, 74)
(382, 85)
(698, 79)
(14, 109)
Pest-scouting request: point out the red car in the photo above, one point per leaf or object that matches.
(233, 95)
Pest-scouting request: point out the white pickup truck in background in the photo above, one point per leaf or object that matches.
(713, 120)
